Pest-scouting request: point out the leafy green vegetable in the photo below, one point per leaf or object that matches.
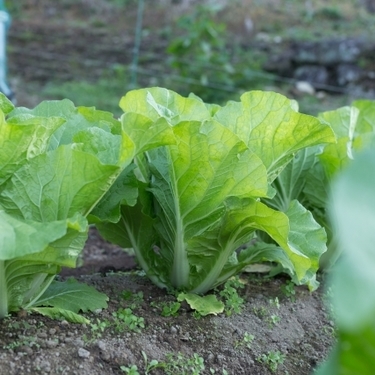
(353, 217)
(308, 177)
(270, 126)
(56, 163)
(198, 197)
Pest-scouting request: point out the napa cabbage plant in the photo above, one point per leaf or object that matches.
(56, 163)
(186, 208)
(309, 176)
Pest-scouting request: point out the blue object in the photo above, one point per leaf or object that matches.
(5, 20)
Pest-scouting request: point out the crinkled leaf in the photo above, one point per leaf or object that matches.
(22, 237)
(301, 242)
(57, 163)
(156, 103)
(66, 250)
(191, 181)
(266, 252)
(73, 296)
(296, 232)
(309, 239)
(22, 138)
(205, 305)
(272, 128)
(57, 313)
(106, 147)
(212, 254)
(76, 119)
(56, 185)
(32, 253)
(147, 133)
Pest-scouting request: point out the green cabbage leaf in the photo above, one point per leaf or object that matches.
(199, 197)
(57, 162)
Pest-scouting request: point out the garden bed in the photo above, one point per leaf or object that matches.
(294, 329)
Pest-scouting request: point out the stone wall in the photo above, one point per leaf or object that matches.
(330, 65)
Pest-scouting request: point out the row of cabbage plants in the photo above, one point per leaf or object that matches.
(199, 192)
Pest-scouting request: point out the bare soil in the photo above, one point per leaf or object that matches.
(298, 327)
(65, 40)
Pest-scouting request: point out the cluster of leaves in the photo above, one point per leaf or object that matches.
(272, 359)
(233, 302)
(202, 56)
(309, 176)
(175, 363)
(202, 38)
(197, 190)
(186, 207)
(56, 163)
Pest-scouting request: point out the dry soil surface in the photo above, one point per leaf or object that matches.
(271, 322)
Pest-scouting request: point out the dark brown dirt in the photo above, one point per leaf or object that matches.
(99, 256)
(299, 329)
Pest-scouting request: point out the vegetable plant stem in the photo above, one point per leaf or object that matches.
(180, 271)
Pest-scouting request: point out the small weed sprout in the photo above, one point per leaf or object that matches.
(26, 341)
(246, 341)
(99, 327)
(273, 320)
(233, 302)
(275, 302)
(133, 370)
(135, 298)
(170, 309)
(167, 308)
(272, 359)
(260, 312)
(149, 366)
(289, 290)
(125, 319)
(174, 364)
(179, 364)
(197, 315)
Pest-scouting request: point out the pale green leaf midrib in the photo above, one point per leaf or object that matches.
(180, 268)
(220, 262)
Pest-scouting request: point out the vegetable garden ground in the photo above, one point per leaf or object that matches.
(300, 329)
(275, 328)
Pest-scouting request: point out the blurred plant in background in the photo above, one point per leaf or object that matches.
(200, 54)
(211, 64)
